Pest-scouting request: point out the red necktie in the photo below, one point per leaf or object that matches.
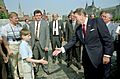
(84, 30)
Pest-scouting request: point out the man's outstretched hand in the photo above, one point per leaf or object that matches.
(57, 51)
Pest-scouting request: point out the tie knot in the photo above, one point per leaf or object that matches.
(83, 25)
(84, 30)
(37, 22)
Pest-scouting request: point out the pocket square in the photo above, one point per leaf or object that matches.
(92, 29)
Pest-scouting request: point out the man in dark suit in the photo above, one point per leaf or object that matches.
(75, 52)
(56, 35)
(39, 38)
(97, 44)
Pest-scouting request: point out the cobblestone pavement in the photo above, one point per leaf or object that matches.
(60, 71)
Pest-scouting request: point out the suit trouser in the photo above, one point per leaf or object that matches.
(56, 42)
(39, 53)
(74, 52)
(107, 68)
(91, 72)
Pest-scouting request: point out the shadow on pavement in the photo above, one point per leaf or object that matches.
(71, 73)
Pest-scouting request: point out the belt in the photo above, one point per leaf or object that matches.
(36, 39)
(55, 35)
(25, 61)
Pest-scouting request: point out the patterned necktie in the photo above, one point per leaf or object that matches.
(84, 30)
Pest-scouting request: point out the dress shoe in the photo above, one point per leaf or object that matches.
(21, 78)
(78, 65)
(53, 62)
(68, 64)
(60, 62)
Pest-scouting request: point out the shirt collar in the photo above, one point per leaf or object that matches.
(12, 25)
(24, 41)
(74, 21)
(86, 20)
(107, 23)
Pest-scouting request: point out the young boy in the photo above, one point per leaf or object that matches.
(26, 55)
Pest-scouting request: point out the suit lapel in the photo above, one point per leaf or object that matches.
(71, 27)
(88, 27)
(41, 23)
(33, 25)
(79, 33)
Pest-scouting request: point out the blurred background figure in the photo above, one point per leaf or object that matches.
(92, 16)
(27, 24)
(107, 18)
(74, 53)
(56, 35)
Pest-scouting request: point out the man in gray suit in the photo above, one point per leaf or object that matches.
(74, 53)
(107, 17)
(40, 38)
(56, 34)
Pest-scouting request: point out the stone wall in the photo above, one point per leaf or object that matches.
(3, 22)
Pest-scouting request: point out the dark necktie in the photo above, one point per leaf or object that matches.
(55, 28)
(84, 30)
(37, 28)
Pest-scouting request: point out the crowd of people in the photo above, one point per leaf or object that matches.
(91, 42)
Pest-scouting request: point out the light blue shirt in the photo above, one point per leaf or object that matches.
(25, 50)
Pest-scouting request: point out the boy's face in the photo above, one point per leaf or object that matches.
(27, 37)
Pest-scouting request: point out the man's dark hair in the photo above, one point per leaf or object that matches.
(80, 11)
(37, 11)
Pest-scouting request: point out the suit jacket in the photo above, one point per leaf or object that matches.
(70, 31)
(60, 29)
(112, 28)
(43, 35)
(26, 26)
(97, 41)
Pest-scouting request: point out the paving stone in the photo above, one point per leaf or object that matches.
(60, 71)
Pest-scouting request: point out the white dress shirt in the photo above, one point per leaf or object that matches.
(38, 28)
(55, 29)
